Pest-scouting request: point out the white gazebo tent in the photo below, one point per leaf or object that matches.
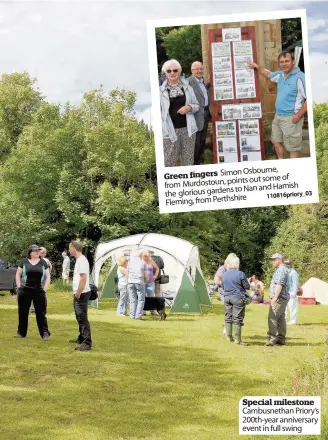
(315, 288)
(181, 258)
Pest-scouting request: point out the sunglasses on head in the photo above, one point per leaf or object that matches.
(173, 70)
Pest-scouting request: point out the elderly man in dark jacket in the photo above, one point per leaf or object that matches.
(203, 116)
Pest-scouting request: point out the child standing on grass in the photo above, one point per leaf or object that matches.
(122, 275)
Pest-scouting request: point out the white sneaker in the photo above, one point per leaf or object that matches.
(121, 314)
(291, 323)
(154, 313)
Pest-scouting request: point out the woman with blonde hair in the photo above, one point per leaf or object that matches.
(235, 285)
(122, 274)
(178, 106)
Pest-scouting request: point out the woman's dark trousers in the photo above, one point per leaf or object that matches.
(234, 310)
(24, 298)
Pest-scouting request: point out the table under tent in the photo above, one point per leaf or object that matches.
(186, 289)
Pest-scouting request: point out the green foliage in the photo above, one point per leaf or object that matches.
(18, 101)
(66, 164)
(161, 32)
(291, 31)
(87, 172)
(144, 371)
(320, 114)
(302, 237)
(184, 44)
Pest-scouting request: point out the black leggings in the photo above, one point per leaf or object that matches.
(24, 298)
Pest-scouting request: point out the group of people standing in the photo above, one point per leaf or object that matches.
(185, 112)
(138, 278)
(33, 280)
(283, 293)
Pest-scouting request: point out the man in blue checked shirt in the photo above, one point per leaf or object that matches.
(291, 105)
(279, 299)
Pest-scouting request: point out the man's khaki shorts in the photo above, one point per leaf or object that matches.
(288, 133)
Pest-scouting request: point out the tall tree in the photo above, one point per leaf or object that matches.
(291, 31)
(19, 99)
(302, 237)
(184, 44)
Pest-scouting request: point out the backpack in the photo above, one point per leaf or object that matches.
(159, 261)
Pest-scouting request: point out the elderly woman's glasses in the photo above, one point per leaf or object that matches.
(173, 70)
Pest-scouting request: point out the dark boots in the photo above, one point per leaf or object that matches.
(228, 332)
(237, 336)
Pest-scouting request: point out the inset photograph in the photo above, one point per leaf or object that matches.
(251, 71)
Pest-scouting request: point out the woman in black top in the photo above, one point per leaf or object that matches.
(32, 273)
(178, 106)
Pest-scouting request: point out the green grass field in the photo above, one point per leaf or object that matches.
(150, 380)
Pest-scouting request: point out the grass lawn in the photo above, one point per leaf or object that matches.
(150, 380)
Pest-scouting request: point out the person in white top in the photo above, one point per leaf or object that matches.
(136, 284)
(122, 275)
(65, 267)
(81, 295)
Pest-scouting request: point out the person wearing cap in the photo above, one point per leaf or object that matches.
(81, 296)
(279, 299)
(32, 281)
(293, 281)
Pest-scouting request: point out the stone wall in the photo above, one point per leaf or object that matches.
(268, 43)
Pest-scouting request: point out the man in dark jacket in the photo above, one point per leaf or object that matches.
(203, 116)
(160, 263)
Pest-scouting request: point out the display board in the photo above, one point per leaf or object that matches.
(235, 99)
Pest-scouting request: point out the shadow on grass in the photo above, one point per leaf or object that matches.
(173, 382)
(133, 373)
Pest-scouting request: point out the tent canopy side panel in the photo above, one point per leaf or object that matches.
(109, 287)
(187, 299)
(202, 289)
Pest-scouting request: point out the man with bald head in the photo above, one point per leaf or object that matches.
(196, 81)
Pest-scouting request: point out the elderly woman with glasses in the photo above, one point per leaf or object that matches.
(178, 106)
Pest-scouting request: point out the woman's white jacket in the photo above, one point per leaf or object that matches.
(167, 124)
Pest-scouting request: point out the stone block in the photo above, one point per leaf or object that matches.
(271, 53)
(273, 32)
(272, 87)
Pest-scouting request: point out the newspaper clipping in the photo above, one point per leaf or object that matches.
(221, 142)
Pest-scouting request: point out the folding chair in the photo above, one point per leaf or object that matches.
(168, 296)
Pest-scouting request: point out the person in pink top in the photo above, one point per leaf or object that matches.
(151, 275)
